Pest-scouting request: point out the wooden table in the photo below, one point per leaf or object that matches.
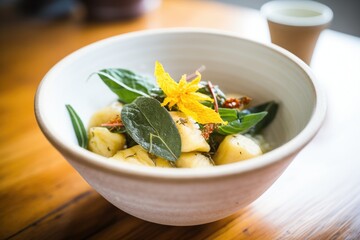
(43, 197)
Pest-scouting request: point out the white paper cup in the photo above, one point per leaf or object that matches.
(296, 25)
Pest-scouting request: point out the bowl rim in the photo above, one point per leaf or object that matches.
(83, 156)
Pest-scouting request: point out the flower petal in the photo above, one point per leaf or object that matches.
(183, 83)
(200, 113)
(164, 80)
(193, 86)
(201, 97)
(184, 95)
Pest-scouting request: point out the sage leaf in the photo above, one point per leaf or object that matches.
(78, 126)
(228, 114)
(271, 108)
(158, 94)
(126, 84)
(243, 124)
(151, 126)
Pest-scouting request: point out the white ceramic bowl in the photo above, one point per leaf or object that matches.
(183, 196)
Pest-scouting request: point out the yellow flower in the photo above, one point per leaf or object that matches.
(184, 95)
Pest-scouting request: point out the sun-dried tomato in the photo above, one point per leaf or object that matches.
(236, 102)
(207, 130)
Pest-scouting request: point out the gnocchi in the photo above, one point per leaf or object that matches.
(104, 142)
(139, 156)
(193, 160)
(190, 134)
(236, 147)
(105, 114)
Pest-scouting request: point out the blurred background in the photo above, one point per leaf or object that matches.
(346, 12)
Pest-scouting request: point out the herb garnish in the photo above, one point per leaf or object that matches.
(145, 121)
(271, 108)
(185, 96)
(78, 126)
(151, 126)
(242, 124)
(126, 84)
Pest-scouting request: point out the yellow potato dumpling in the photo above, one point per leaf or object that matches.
(190, 134)
(104, 142)
(106, 114)
(260, 140)
(162, 163)
(139, 156)
(193, 160)
(236, 148)
(134, 155)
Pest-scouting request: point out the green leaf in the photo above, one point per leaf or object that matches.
(271, 108)
(126, 84)
(214, 141)
(220, 96)
(78, 126)
(243, 124)
(228, 114)
(151, 126)
(158, 94)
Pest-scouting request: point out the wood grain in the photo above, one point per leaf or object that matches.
(43, 197)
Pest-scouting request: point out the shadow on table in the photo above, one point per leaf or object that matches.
(236, 226)
(90, 216)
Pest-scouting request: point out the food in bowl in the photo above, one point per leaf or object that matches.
(185, 124)
(184, 196)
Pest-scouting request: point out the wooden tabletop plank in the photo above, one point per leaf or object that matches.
(78, 218)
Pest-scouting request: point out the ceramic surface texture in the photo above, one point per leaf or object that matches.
(183, 196)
